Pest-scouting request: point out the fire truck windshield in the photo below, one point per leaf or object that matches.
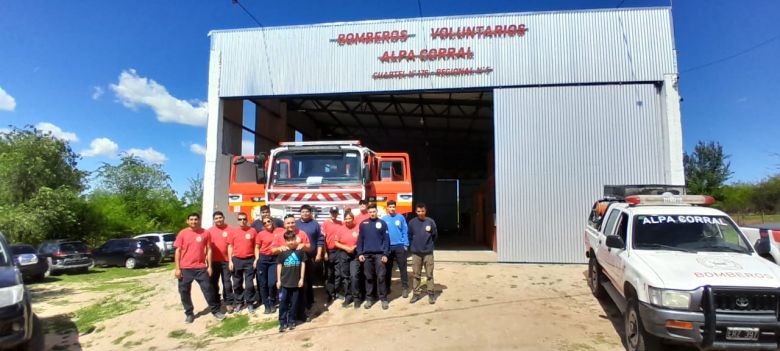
(316, 167)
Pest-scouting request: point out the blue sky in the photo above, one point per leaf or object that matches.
(94, 69)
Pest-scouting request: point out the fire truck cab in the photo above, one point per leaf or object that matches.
(322, 174)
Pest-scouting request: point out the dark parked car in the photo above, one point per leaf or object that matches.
(18, 324)
(33, 268)
(66, 256)
(130, 253)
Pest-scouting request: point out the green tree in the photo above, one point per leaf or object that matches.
(31, 159)
(136, 183)
(706, 169)
(39, 187)
(767, 195)
(193, 196)
(135, 197)
(738, 198)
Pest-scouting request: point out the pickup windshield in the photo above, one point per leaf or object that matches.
(316, 167)
(691, 233)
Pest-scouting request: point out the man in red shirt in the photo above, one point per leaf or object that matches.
(280, 245)
(330, 230)
(363, 215)
(241, 251)
(219, 235)
(193, 262)
(265, 263)
(348, 264)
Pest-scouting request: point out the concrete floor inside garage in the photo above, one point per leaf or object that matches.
(448, 135)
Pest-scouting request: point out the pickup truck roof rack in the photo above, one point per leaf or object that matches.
(620, 192)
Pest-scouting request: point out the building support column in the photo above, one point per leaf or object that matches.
(673, 148)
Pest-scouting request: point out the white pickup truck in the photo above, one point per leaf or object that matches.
(682, 273)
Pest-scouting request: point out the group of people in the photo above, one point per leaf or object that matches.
(356, 256)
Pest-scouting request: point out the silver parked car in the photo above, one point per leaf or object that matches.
(163, 240)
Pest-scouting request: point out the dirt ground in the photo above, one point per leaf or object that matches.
(481, 306)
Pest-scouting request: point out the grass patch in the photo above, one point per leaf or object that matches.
(119, 340)
(180, 334)
(133, 343)
(108, 308)
(756, 219)
(307, 345)
(197, 343)
(59, 324)
(240, 324)
(99, 275)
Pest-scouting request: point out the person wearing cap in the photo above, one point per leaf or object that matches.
(348, 266)
(399, 243)
(330, 228)
(265, 263)
(363, 214)
(373, 246)
(219, 234)
(241, 251)
(422, 234)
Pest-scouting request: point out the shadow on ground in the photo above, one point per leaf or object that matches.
(612, 313)
(59, 333)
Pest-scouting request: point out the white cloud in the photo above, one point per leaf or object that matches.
(56, 132)
(148, 154)
(7, 102)
(97, 92)
(101, 147)
(247, 147)
(198, 149)
(5, 130)
(133, 91)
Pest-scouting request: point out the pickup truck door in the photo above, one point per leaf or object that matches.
(603, 253)
(616, 258)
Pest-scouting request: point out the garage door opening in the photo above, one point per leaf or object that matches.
(448, 136)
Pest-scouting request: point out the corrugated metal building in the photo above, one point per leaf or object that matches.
(580, 99)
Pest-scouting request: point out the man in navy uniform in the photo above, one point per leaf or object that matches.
(372, 248)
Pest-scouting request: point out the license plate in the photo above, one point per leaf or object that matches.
(737, 333)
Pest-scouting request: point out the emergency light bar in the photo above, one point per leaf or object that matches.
(315, 143)
(670, 200)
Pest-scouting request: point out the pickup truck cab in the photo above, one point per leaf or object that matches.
(682, 273)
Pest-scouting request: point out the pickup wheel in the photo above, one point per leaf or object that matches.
(595, 277)
(637, 338)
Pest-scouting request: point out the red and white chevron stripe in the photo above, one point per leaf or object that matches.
(316, 197)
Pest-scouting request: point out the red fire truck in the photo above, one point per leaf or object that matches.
(322, 174)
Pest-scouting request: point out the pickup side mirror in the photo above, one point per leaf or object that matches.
(367, 174)
(260, 164)
(615, 242)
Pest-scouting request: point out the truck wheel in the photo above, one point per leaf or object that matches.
(637, 338)
(595, 277)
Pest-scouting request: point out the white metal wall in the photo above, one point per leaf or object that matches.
(556, 147)
(562, 47)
